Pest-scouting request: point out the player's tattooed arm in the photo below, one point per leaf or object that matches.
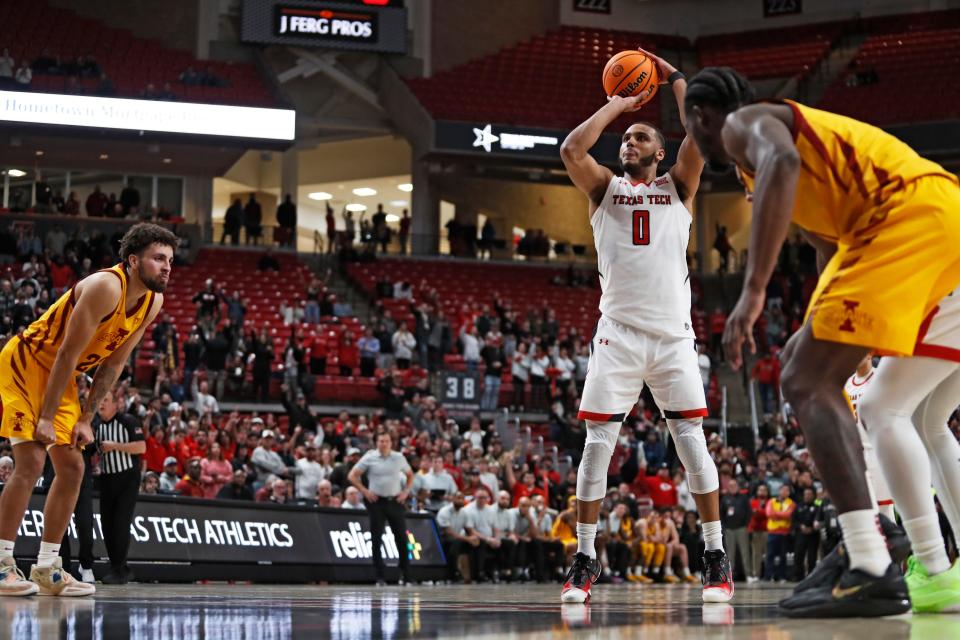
(103, 380)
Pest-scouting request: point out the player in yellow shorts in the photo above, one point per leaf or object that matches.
(97, 323)
(894, 218)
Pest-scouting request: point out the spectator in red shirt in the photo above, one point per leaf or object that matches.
(62, 275)
(662, 490)
(189, 484)
(718, 321)
(157, 450)
(349, 355)
(527, 486)
(766, 372)
(757, 531)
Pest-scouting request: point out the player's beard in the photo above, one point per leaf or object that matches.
(632, 168)
(154, 284)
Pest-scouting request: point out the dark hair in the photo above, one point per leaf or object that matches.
(142, 235)
(720, 87)
(659, 134)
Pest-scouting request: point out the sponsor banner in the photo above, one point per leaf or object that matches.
(335, 25)
(147, 115)
(200, 531)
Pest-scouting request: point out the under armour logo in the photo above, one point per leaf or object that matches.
(603, 341)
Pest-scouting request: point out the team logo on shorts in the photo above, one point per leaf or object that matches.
(18, 421)
(849, 318)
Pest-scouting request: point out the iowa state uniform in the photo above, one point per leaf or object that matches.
(895, 218)
(26, 360)
(641, 233)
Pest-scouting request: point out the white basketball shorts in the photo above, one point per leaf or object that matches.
(623, 358)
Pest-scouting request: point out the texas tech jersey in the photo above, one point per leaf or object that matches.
(855, 387)
(641, 233)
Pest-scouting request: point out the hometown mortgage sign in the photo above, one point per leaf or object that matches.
(177, 530)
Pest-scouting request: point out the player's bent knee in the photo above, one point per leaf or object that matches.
(592, 473)
(692, 450)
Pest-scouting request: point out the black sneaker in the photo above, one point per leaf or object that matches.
(832, 566)
(897, 541)
(582, 574)
(716, 577)
(827, 571)
(856, 594)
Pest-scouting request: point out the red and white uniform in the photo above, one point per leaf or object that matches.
(855, 388)
(939, 335)
(645, 334)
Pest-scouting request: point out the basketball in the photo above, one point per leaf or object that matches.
(631, 73)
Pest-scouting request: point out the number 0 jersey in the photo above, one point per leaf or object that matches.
(43, 338)
(641, 232)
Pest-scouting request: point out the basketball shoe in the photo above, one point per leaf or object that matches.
(583, 573)
(54, 581)
(856, 594)
(12, 581)
(933, 594)
(717, 578)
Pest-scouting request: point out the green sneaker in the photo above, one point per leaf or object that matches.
(933, 594)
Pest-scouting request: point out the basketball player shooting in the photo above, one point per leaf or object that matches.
(97, 323)
(893, 218)
(641, 227)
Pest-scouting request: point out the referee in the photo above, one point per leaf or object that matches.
(385, 499)
(120, 442)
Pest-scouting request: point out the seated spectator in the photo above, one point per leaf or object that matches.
(23, 77)
(325, 494)
(190, 77)
(166, 93)
(279, 492)
(7, 66)
(105, 87)
(46, 63)
(169, 477)
(6, 469)
(215, 471)
(353, 499)
(268, 263)
(150, 484)
(150, 92)
(237, 489)
(190, 486)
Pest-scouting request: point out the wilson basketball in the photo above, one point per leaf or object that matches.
(631, 73)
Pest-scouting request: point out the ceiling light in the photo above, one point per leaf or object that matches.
(104, 156)
(356, 207)
(406, 186)
(38, 152)
(398, 203)
(364, 191)
(16, 173)
(320, 195)
(167, 160)
(392, 217)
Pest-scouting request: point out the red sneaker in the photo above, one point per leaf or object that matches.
(717, 577)
(583, 572)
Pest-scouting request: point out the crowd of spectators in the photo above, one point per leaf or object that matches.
(503, 501)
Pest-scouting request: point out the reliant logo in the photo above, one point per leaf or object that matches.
(326, 23)
(512, 141)
(354, 543)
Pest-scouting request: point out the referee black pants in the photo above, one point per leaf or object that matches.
(388, 511)
(118, 498)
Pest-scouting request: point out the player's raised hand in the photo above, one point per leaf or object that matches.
(739, 327)
(663, 67)
(625, 105)
(44, 433)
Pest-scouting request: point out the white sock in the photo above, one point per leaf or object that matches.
(48, 553)
(6, 549)
(668, 571)
(713, 536)
(865, 544)
(684, 572)
(927, 543)
(586, 538)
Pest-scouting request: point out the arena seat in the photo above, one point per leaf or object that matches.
(237, 271)
(552, 80)
(770, 53)
(911, 62)
(26, 29)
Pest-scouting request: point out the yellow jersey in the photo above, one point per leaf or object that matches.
(43, 338)
(849, 170)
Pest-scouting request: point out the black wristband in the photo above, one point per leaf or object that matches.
(676, 75)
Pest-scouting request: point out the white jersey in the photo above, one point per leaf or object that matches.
(641, 233)
(855, 388)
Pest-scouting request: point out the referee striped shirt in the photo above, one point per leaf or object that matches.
(123, 428)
